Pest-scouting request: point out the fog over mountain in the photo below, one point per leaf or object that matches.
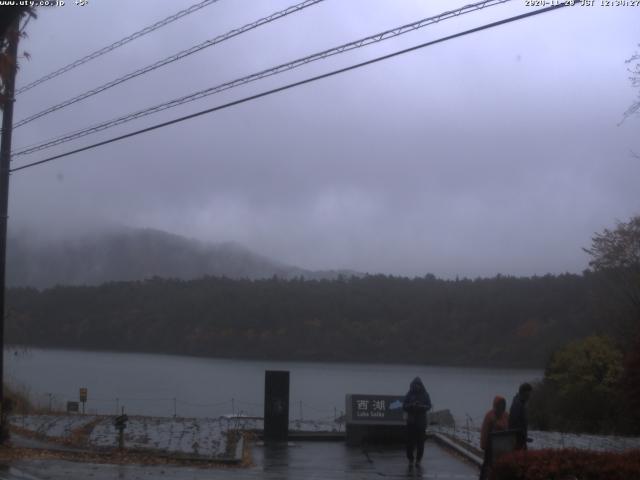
(497, 152)
(135, 254)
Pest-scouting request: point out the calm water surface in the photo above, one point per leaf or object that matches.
(157, 384)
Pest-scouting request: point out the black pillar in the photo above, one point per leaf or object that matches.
(276, 405)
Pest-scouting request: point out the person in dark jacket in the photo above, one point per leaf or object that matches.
(518, 415)
(416, 404)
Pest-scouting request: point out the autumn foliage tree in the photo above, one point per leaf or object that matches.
(590, 384)
(594, 384)
(581, 388)
(634, 70)
(616, 253)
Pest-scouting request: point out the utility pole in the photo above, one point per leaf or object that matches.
(5, 158)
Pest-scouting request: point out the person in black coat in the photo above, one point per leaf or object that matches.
(518, 415)
(416, 404)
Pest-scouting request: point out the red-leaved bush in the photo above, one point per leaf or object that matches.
(567, 464)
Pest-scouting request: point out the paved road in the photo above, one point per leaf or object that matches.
(303, 460)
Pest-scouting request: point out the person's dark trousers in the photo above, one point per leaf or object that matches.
(415, 441)
(486, 465)
(521, 441)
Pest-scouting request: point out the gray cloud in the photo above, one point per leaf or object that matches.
(497, 152)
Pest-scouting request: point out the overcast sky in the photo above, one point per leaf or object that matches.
(498, 152)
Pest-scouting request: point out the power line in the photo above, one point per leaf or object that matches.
(172, 58)
(378, 37)
(295, 84)
(119, 43)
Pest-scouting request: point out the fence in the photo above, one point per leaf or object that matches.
(177, 407)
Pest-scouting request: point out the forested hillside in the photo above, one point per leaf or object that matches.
(502, 321)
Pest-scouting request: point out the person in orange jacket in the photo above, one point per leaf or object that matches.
(496, 419)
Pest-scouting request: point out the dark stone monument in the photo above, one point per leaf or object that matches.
(276, 405)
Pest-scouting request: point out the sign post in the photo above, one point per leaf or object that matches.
(83, 397)
(120, 423)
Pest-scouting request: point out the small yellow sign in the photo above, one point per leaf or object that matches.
(83, 394)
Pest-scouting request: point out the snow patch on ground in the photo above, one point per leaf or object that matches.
(202, 437)
(557, 440)
(188, 436)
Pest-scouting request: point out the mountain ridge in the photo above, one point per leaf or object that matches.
(127, 254)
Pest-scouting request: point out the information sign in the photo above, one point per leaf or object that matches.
(375, 408)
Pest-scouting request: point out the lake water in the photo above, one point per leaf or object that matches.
(200, 387)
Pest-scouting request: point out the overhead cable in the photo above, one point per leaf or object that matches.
(119, 43)
(378, 37)
(294, 84)
(172, 58)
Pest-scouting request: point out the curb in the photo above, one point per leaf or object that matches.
(237, 457)
(448, 443)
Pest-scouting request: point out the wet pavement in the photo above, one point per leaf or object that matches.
(300, 460)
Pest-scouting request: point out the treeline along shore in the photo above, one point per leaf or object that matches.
(500, 321)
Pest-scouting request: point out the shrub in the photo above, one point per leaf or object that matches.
(581, 389)
(567, 464)
(19, 398)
